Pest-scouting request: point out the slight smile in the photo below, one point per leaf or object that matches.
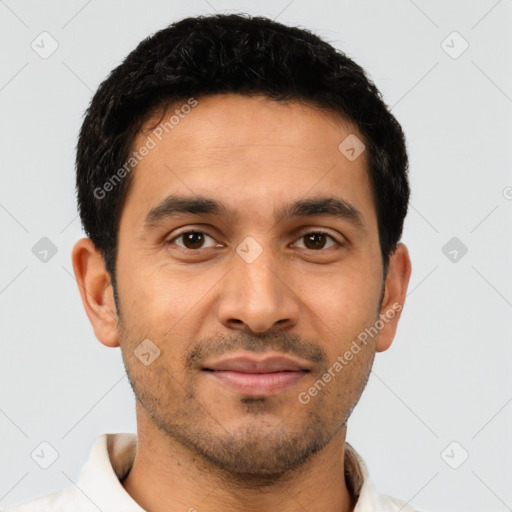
(254, 375)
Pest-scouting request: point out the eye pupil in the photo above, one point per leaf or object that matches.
(193, 238)
(313, 238)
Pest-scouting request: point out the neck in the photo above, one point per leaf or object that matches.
(166, 476)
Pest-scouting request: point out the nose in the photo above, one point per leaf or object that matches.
(258, 295)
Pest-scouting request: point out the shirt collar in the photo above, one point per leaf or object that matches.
(112, 457)
(110, 460)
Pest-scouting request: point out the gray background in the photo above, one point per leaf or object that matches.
(446, 377)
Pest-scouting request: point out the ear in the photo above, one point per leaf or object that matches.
(96, 291)
(397, 280)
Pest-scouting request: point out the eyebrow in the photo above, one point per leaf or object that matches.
(331, 206)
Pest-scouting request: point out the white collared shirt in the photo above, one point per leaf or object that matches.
(99, 486)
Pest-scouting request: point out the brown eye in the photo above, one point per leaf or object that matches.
(192, 240)
(316, 240)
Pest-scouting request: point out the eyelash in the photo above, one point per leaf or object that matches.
(316, 232)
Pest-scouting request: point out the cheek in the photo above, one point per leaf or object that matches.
(160, 294)
(165, 304)
(345, 302)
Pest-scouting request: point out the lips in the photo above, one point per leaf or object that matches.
(257, 375)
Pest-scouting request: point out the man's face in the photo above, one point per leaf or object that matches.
(286, 290)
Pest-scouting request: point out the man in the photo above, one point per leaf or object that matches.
(243, 188)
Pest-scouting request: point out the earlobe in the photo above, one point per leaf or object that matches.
(96, 291)
(397, 281)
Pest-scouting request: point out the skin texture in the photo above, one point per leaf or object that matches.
(201, 444)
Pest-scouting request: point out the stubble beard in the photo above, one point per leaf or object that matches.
(250, 455)
(255, 453)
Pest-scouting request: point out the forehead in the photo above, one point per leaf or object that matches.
(251, 153)
(241, 122)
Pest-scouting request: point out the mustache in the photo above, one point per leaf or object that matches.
(222, 344)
